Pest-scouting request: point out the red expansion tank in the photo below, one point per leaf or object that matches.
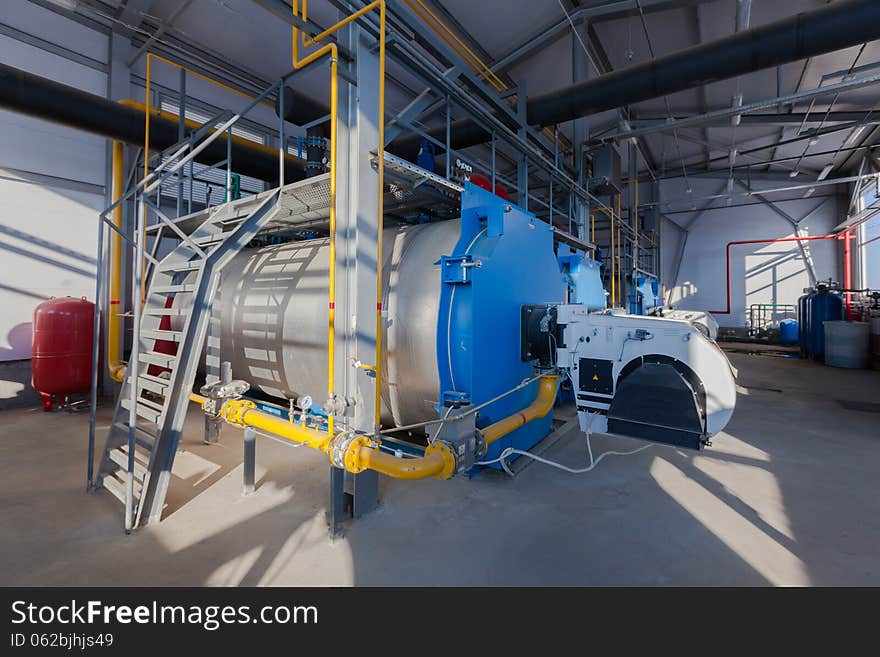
(62, 352)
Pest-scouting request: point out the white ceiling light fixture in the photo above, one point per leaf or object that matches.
(810, 192)
(794, 173)
(824, 173)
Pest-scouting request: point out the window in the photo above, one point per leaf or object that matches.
(199, 116)
(869, 237)
(208, 183)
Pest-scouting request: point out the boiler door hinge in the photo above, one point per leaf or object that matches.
(456, 269)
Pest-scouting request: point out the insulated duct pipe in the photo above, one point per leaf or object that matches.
(834, 27)
(52, 101)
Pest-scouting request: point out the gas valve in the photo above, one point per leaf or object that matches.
(218, 392)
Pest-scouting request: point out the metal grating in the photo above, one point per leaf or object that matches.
(303, 203)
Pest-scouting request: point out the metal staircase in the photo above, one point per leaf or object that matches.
(151, 408)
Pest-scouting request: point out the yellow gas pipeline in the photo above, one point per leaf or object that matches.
(537, 409)
(356, 453)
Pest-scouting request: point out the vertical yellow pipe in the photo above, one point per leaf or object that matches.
(593, 234)
(613, 256)
(380, 171)
(380, 179)
(114, 352)
(636, 255)
(619, 258)
(329, 49)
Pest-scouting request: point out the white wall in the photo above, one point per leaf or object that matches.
(51, 181)
(759, 273)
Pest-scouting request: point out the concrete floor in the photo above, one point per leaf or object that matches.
(788, 495)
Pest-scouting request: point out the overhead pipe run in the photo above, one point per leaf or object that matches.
(59, 103)
(834, 27)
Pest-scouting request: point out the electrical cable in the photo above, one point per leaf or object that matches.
(502, 459)
(470, 411)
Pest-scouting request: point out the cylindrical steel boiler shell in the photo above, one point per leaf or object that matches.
(274, 318)
(62, 346)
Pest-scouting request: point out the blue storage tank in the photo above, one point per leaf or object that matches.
(788, 331)
(802, 323)
(824, 304)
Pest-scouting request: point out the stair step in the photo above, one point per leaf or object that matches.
(117, 487)
(160, 334)
(162, 311)
(167, 289)
(142, 436)
(149, 403)
(214, 238)
(141, 455)
(234, 220)
(143, 410)
(120, 458)
(155, 358)
(191, 265)
(152, 383)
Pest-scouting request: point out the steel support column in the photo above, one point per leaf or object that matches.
(357, 232)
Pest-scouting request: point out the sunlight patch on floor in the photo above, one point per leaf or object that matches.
(211, 515)
(756, 487)
(192, 467)
(724, 443)
(304, 552)
(233, 571)
(773, 561)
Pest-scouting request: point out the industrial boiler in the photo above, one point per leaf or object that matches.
(454, 297)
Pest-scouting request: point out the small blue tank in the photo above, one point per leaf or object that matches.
(788, 331)
(802, 323)
(824, 304)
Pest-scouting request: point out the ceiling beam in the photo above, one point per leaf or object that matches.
(165, 25)
(593, 12)
(763, 119)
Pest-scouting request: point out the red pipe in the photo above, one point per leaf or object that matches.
(781, 239)
(847, 275)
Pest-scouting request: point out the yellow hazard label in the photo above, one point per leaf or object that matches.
(595, 377)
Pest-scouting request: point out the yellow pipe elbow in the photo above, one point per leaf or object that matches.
(438, 461)
(361, 454)
(537, 409)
